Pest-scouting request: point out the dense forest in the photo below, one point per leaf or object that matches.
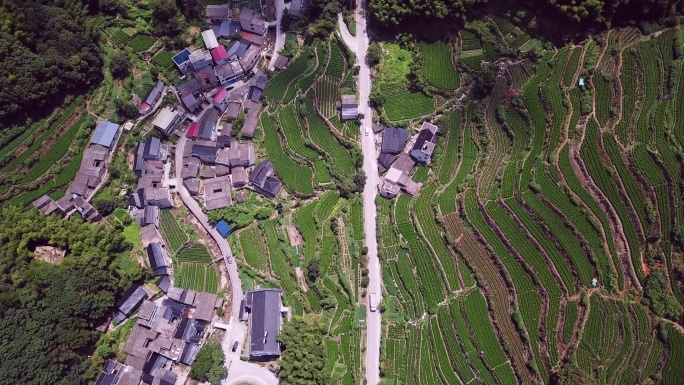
(45, 54)
(48, 312)
(575, 14)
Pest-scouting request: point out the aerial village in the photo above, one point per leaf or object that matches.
(171, 324)
(214, 164)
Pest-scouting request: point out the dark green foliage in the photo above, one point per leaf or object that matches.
(658, 299)
(208, 365)
(48, 312)
(192, 9)
(45, 53)
(286, 20)
(575, 13)
(105, 206)
(570, 374)
(304, 354)
(374, 54)
(112, 7)
(166, 18)
(377, 98)
(125, 109)
(318, 19)
(393, 12)
(312, 271)
(120, 65)
(484, 82)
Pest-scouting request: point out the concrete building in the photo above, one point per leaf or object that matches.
(264, 307)
(251, 21)
(104, 134)
(209, 39)
(167, 120)
(425, 143)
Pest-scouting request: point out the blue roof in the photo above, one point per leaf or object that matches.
(104, 133)
(223, 228)
(182, 57)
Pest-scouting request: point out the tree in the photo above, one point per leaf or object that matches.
(360, 180)
(484, 82)
(192, 9)
(105, 206)
(208, 365)
(377, 98)
(656, 296)
(163, 10)
(286, 20)
(125, 109)
(303, 357)
(263, 213)
(374, 54)
(570, 374)
(112, 7)
(120, 64)
(166, 18)
(312, 270)
(72, 297)
(45, 54)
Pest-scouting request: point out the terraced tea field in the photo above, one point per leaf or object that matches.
(546, 238)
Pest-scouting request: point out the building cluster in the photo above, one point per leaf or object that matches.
(398, 163)
(166, 332)
(214, 162)
(88, 178)
(219, 64)
(151, 194)
(215, 165)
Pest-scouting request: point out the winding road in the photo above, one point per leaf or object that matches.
(359, 44)
(238, 371)
(280, 34)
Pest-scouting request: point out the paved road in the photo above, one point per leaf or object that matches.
(280, 35)
(236, 330)
(374, 320)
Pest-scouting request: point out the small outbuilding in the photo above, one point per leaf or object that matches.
(349, 107)
(223, 228)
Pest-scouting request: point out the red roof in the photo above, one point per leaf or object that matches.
(144, 107)
(193, 130)
(219, 53)
(220, 95)
(252, 38)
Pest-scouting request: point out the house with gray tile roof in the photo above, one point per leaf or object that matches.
(264, 307)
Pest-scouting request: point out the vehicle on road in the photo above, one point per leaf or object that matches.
(366, 132)
(373, 302)
(235, 346)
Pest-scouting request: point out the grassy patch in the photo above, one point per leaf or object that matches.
(132, 235)
(396, 63)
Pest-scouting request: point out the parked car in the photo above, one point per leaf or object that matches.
(235, 346)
